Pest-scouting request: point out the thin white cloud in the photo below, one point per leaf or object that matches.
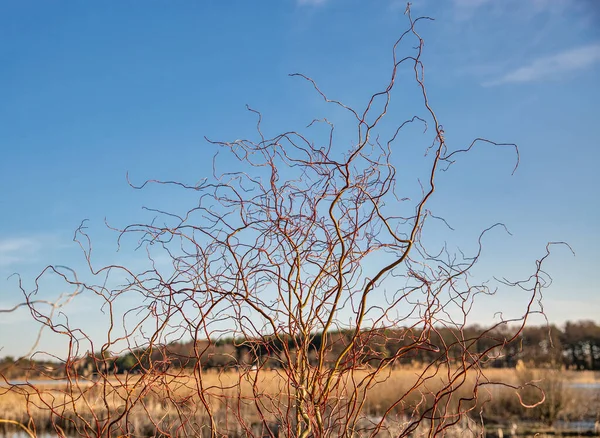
(552, 67)
(470, 4)
(17, 249)
(465, 9)
(552, 6)
(311, 2)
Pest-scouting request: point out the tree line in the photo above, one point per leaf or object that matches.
(575, 346)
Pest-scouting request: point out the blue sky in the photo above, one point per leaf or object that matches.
(91, 91)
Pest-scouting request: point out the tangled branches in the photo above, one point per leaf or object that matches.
(301, 276)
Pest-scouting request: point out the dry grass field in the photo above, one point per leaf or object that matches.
(180, 405)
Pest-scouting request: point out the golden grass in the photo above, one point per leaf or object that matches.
(582, 376)
(232, 397)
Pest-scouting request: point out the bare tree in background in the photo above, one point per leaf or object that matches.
(310, 257)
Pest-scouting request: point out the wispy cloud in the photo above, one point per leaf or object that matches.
(552, 6)
(465, 9)
(17, 249)
(552, 67)
(311, 2)
(470, 4)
